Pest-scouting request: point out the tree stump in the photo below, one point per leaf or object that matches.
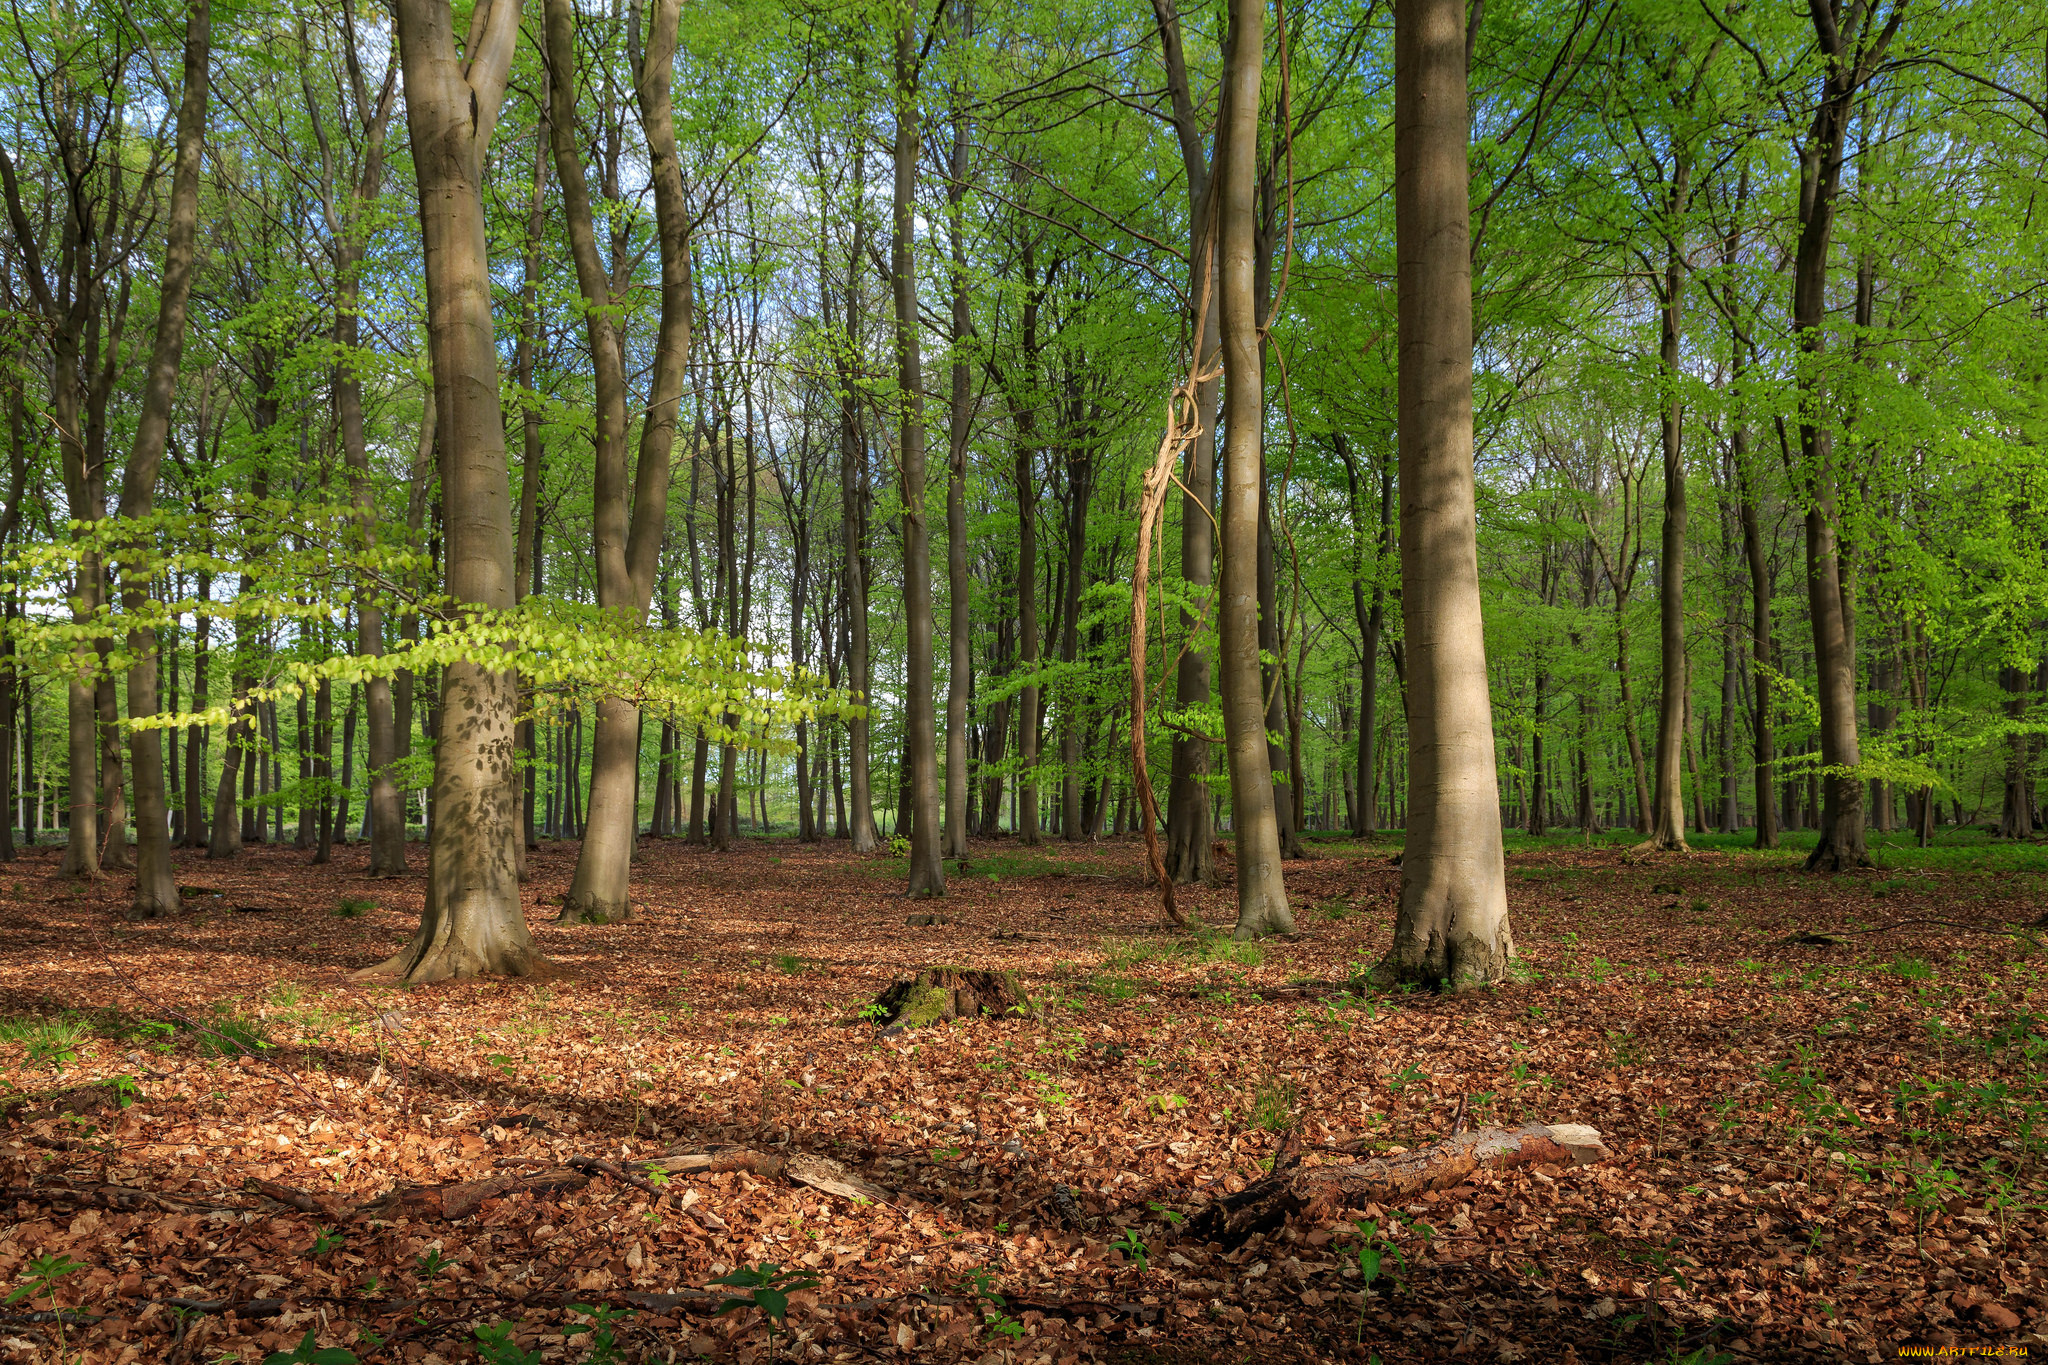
(940, 993)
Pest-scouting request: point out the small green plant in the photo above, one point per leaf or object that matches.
(1273, 1101)
(1411, 1073)
(768, 1288)
(495, 1346)
(127, 1090)
(790, 963)
(224, 1033)
(1625, 1047)
(982, 1286)
(604, 1346)
(1909, 968)
(45, 1042)
(43, 1274)
(1702, 907)
(431, 1263)
(1373, 1251)
(353, 907)
(307, 1353)
(326, 1240)
(1703, 1355)
(1003, 1324)
(899, 846)
(1133, 1249)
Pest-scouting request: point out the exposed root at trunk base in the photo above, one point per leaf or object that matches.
(595, 912)
(940, 993)
(454, 962)
(1830, 857)
(1318, 1193)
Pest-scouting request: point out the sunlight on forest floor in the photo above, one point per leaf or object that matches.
(1821, 1149)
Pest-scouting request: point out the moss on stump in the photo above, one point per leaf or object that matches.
(936, 994)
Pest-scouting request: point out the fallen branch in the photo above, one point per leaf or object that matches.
(465, 1197)
(70, 1317)
(2004, 930)
(1318, 1192)
(298, 1199)
(246, 1309)
(818, 1172)
(118, 1198)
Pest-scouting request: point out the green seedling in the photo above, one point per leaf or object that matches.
(41, 1282)
(495, 1346)
(306, 1353)
(768, 1288)
(604, 1348)
(1374, 1250)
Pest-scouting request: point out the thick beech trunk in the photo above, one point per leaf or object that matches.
(156, 885)
(1261, 892)
(1852, 54)
(628, 540)
(1452, 928)
(927, 865)
(473, 922)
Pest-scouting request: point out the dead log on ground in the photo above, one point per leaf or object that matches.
(1318, 1193)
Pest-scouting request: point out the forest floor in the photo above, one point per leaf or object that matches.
(1820, 1150)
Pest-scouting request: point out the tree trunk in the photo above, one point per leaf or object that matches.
(1852, 56)
(1272, 677)
(1190, 824)
(959, 632)
(1024, 412)
(927, 854)
(1667, 829)
(1261, 893)
(1080, 492)
(1764, 748)
(472, 922)
(527, 572)
(196, 825)
(862, 834)
(627, 540)
(1371, 622)
(385, 806)
(1452, 928)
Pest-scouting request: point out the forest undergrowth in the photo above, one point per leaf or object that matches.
(1826, 1102)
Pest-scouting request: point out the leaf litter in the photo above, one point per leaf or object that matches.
(1827, 1102)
